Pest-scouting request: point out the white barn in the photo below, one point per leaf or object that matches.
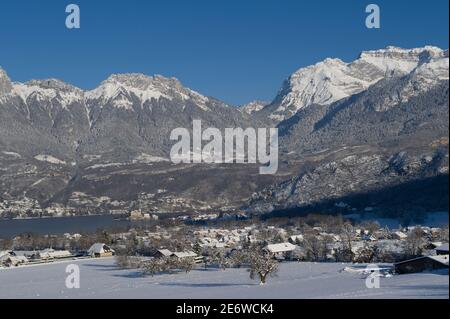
(100, 250)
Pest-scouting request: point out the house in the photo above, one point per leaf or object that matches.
(368, 237)
(421, 264)
(8, 259)
(100, 250)
(29, 254)
(432, 245)
(296, 238)
(280, 251)
(136, 215)
(399, 235)
(442, 250)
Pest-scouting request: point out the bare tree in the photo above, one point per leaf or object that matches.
(347, 235)
(316, 246)
(367, 254)
(371, 226)
(186, 264)
(154, 266)
(219, 259)
(122, 261)
(261, 265)
(414, 242)
(443, 234)
(238, 258)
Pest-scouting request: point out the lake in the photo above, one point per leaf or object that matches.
(61, 225)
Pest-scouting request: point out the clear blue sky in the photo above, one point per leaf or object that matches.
(234, 50)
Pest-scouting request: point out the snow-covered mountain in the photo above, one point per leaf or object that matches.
(253, 106)
(332, 79)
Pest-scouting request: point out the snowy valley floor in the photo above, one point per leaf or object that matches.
(101, 279)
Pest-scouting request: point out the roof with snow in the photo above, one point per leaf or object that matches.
(184, 254)
(443, 259)
(165, 252)
(279, 248)
(99, 248)
(443, 247)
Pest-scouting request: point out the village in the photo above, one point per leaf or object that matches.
(174, 244)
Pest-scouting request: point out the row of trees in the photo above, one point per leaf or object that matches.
(258, 262)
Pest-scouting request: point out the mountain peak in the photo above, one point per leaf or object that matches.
(5, 83)
(142, 81)
(118, 88)
(253, 106)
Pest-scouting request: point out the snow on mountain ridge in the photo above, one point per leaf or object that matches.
(48, 90)
(118, 87)
(395, 59)
(118, 90)
(332, 79)
(253, 106)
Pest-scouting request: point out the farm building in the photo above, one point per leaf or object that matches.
(160, 253)
(29, 254)
(187, 254)
(184, 254)
(100, 250)
(420, 264)
(54, 254)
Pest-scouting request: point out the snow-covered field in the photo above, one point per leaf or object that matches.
(99, 278)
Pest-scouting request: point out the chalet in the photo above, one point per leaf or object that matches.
(420, 264)
(100, 250)
(442, 250)
(9, 259)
